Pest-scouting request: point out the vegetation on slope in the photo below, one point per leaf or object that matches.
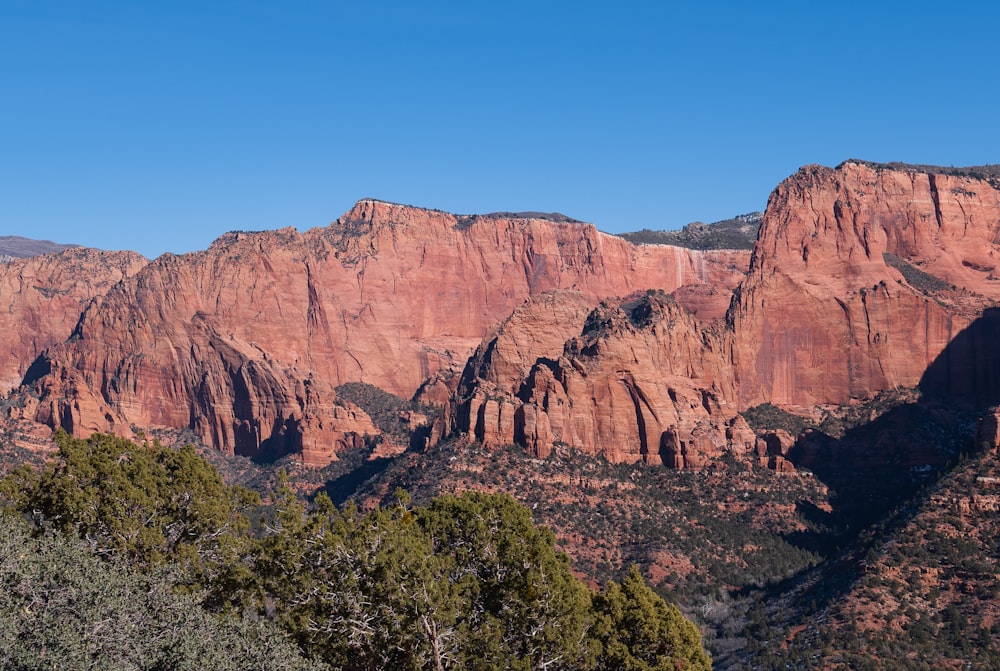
(834, 422)
(726, 540)
(701, 537)
(915, 277)
(62, 606)
(769, 417)
(461, 582)
(392, 415)
(917, 591)
(769, 565)
(988, 173)
(740, 232)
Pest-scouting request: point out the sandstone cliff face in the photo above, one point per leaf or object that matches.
(244, 342)
(42, 298)
(860, 279)
(538, 328)
(863, 279)
(642, 380)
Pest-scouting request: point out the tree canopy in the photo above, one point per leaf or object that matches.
(461, 582)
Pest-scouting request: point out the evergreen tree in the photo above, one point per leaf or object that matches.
(64, 607)
(463, 582)
(146, 502)
(639, 631)
(523, 607)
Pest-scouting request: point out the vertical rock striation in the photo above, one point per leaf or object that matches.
(861, 277)
(641, 380)
(42, 297)
(244, 343)
(864, 278)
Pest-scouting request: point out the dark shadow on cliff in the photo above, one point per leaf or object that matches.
(876, 466)
(285, 439)
(38, 369)
(879, 471)
(967, 372)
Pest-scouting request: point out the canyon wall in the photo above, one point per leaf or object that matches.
(539, 331)
(42, 298)
(864, 278)
(639, 379)
(245, 342)
(861, 277)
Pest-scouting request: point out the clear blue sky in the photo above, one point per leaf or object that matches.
(158, 126)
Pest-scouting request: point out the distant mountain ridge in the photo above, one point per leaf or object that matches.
(16, 247)
(389, 295)
(740, 232)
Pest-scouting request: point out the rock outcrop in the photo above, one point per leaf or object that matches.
(642, 380)
(861, 278)
(245, 342)
(42, 298)
(864, 278)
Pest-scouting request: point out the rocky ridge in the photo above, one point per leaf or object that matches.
(16, 247)
(826, 316)
(245, 342)
(740, 232)
(42, 298)
(637, 380)
(864, 278)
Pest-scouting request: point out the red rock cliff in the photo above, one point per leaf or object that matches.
(42, 298)
(640, 380)
(245, 342)
(864, 278)
(861, 277)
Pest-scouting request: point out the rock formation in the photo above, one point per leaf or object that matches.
(861, 277)
(245, 342)
(42, 297)
(864, 278)
(642, 380)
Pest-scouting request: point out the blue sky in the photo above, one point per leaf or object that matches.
(159, 126)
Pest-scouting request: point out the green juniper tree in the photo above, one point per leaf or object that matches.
(462, 582)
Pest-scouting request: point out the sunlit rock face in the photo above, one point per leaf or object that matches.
(862, 276)
(42, 297)
(245, 342)
(640, 380)
(535, 329)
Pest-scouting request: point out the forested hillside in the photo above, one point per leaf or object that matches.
(140, 556)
